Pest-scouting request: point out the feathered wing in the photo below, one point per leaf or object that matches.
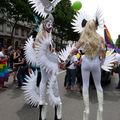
(64, 53)
(78, 20)
(30, 90)
(100, 18)
(47, 60)
(109, 62)
(81, 18)
(40, 5)
(29, 51)
(48, 63)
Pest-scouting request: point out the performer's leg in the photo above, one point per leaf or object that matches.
(58, 106)
(42, 93)
(85, 78)
(100, 107)
(43, 111)
(42, 87)
(54, 96)
(97, 80)
(58, 112)
(38, 79)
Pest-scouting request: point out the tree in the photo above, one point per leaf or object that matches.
(18, 10)
(63, 16)
(118, 42)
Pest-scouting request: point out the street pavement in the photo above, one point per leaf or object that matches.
(13, 106)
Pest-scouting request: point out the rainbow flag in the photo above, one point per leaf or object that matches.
(108, 38)
(109, 41)
(3, 70)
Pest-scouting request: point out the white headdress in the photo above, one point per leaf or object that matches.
(43, 7)
(81, 18)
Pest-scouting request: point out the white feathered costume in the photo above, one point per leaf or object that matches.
(40, 53)
(42, 56)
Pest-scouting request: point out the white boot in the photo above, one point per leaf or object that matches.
(58, 112)
(43, 112)
(100, 105)
(86, 104)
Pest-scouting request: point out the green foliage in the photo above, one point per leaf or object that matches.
(63, 16)
(17, 9)
(118, 42)
(21, 10)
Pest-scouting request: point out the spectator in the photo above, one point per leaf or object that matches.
(3, 68)
(22, 70)
(78, 73)
(117, 55)
(16, 58)
(11, 60)
(71, 72)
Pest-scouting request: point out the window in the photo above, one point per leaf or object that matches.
(22, 32)
(16, 31)
(1, 27)
(8, 28)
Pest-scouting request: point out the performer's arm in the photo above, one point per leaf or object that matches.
(102, 48)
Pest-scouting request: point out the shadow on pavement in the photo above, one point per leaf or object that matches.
(28, 113)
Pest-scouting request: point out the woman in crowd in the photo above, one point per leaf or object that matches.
(3, 68)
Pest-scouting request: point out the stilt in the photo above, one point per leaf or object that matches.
(58, 112)
(43, 111)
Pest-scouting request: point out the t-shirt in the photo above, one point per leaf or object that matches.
(1, 54)
(73, 59)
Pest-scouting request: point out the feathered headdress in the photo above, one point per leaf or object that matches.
(81, 18)
(43, 7)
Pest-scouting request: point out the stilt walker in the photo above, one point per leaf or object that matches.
(41, 53)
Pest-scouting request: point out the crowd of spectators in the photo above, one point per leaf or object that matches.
(73, 77)
(13, 61)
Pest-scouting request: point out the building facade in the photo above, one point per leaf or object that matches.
(20, 33)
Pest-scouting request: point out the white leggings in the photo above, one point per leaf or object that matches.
(49, 81)
(91, 65)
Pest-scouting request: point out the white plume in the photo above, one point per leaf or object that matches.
(64, 53)
(29, 51)
(30, 90)
(108, 62)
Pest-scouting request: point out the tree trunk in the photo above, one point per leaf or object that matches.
(12, 33)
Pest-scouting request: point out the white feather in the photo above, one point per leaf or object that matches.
(109, 61)
(100, 18)
(64, 53)
(39, 6)
(29, 51)
(30, 90)
(45, 58)
(78, 18)
(77, 21)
